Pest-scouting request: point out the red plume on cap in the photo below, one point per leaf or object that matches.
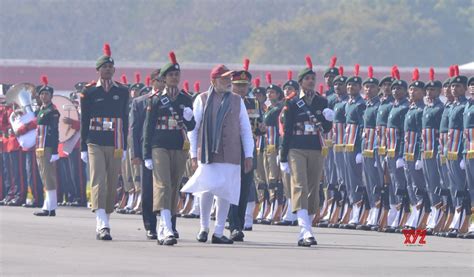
(269, 78)
(246, 64)
(124, 79)
(370, 72)
(309, 63)
(44, 80)
(137, 77)
(456, 70)
(432, 74)
(197, 86)
(321, 88)
(341, 70)
(451, 71)
(333, 61)
(290, 75)
(172, 57)
(416, 75)
(396, 73)
(148, 81)
(186, 86)
(257, 82)
(356, 69)
(107, 51)
(393, 71)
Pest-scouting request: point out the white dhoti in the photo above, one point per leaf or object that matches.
(220, 179)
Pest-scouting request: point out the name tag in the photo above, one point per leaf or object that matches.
(107, 125)
(309, 128)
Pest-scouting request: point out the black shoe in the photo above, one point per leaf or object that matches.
(151, 235)
(248, 228)
(45, 213)
(374, 228)
(169, 240)
(323, 224)
(15, 203)
(334, 225)
(389, 229)
(104, 234)
(452, 233)
(202, 236)
(190, 216)
(265, 221)
(176, 234)
(282, 223)
(429, 231)
(307, 242)
(221, 240)
(30, 205)
(351, 226)
(237, 235)
(363, 227)
(469, 235)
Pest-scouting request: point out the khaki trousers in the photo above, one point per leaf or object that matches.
(286, 179)
(306, 170)
(47, 170)
(168, 169)
(272, 171)
(104, 171)
(136, 170)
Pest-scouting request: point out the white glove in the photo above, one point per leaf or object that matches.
(54, 158)
(124, 155)
(375, 165)
(359, 158)
(188, 114)
(285, 167)
(149, 164)
(328, 114)
(278, 159)
(84, 157)
(400, 163)
(418, 165)
(462, 164)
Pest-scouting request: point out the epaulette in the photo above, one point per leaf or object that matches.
(91, 84)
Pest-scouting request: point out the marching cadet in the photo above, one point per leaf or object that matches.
(443, 190)
(169, 116)
(272, 143)
(306, 118)
(387, 204)
(131, 171)
(104, 129)
(330, 174)
(290, 88)
(137, 119)
(340, 206)
(78, 167)
(240, 80)
(262, 192)
(47, 139)
(395, 146)
(431, 120)
(369, 151)
(469, 134)
(355, 109)
(419, 200)
(456, 161)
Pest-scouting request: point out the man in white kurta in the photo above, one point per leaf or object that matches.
(223, 130)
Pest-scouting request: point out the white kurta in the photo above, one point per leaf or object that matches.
(220, 179)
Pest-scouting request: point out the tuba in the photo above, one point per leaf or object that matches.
(20, 97)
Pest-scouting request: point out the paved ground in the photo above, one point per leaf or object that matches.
(66, 245)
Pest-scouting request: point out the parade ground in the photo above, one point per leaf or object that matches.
(65, 245)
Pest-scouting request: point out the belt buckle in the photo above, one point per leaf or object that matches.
(391, 153)
(428, 155)
(470, 154)
(172, 123)
(107, 126)
(350, 147)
